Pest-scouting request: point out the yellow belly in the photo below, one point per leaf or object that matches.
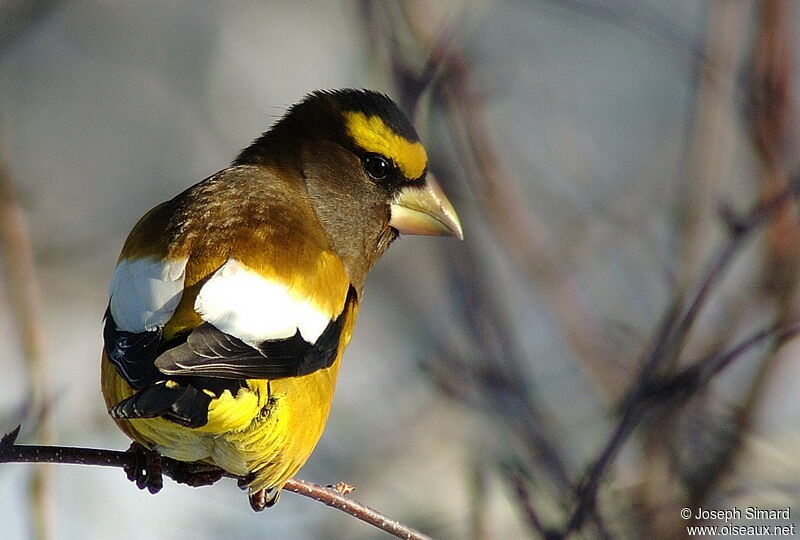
(269, 428)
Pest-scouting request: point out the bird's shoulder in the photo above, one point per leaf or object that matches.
(239, 207)
(244, 226)
(237, 270)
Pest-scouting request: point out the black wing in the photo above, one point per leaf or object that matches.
(208, 352)
(207, 360)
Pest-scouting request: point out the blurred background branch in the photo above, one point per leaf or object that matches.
(491, 379)
(26, 303)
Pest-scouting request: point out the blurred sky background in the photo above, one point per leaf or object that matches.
(616, 130)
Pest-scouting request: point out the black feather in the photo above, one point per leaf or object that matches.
(132, 353)
(209, 352)
(206, 360)
(183, 404)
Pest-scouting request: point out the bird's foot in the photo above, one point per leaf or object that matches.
(264, 498)
(196, 474)
(145, 468)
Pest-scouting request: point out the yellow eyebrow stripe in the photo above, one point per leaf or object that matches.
(373, 135)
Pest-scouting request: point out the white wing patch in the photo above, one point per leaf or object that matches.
(240, 302)
(145, 292)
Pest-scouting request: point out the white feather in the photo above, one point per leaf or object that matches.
(240, 302)
(145, 292)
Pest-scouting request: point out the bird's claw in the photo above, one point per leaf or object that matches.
(145, 470)
(264, 498)
(196, 474)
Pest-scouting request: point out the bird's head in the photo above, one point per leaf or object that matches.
(365, 169)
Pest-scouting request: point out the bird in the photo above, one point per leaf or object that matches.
(231, 304)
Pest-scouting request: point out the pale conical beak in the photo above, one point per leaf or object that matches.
(424, 210)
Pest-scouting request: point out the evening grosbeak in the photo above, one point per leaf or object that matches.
(231, 304)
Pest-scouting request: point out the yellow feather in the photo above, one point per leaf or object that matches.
(373, 135)
(269, 428)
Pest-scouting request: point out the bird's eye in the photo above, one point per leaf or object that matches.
(376, 166)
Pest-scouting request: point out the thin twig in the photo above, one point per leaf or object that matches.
(689, 380)
(499, 373)
(515, 476)
(711, 141)
(772, 116)
(669, 341)
(657, 384)
(334, 499)
(672, 335)
(10, 452)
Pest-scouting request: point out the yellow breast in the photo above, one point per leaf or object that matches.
(269, 428)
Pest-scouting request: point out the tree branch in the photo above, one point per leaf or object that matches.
(668, 344)
(10, 452)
